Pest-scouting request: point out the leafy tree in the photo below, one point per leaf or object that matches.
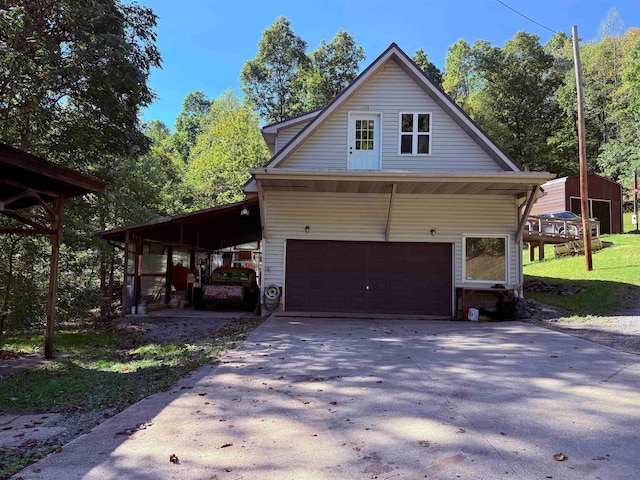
(331, 68)
(194, 107)
(229, 145)
(619, 157)
(518, 83)
(433, 72)
(66, 60)
(74, 78)
(459, 80)
(272, 81)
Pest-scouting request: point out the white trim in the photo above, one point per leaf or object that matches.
(415, 134)
(571, 197)
(283, 288)
(526, 178)
(507, 243)
(454, 297)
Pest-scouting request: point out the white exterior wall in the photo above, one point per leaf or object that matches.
(390, 92)
(286, 134)
(363, 217)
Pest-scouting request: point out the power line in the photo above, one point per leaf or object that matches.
(523, 15)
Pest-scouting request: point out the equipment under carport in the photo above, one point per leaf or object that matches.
(228, 286)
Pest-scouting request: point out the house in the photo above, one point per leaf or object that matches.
(605, 200)
(389, 200)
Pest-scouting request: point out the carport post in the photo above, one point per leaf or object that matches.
(167, 287)
(55, 239)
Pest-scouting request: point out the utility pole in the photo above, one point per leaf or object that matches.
(584, 191)
(635, 199)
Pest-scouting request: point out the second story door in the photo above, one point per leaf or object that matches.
(364, 142)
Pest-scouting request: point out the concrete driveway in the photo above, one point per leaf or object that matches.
(359, 399)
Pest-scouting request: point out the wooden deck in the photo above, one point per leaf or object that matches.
(539, 230)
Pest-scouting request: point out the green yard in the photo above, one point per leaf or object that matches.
(612, 286)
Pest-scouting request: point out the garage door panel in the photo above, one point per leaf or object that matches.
(403, 278)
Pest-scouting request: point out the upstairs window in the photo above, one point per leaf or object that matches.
(415, 133)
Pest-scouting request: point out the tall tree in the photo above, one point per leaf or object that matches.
(67, 59)
(422, 60)
(272, 81)
(518, 86)
(620, 156)
(230, 144)
(194, 107)
(459, 80)
(73, 80)
(331, 68)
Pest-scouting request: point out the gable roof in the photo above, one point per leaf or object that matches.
(438, 95)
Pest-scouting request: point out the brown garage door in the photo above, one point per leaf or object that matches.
(368, 277)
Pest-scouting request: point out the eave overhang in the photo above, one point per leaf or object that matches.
(515, 184)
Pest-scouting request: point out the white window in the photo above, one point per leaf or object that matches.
(485, 258)
(415, 133)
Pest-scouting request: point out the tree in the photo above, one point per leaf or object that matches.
(459, 80)
(518, 83)
(620, 156)
(331, 68)
(230, 144)
(68, 59)
(272, 81)
(433, 72)
(74, 78)
(194, 107)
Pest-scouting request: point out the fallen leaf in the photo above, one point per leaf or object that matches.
(173, 458)
(560, 457)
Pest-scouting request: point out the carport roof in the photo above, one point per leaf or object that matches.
(25, 178)
(211, 229)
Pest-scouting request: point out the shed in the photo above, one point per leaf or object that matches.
(605, 200)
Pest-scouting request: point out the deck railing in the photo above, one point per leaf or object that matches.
(540, 226)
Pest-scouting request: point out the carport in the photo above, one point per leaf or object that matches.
(151, 248)
(33, 194)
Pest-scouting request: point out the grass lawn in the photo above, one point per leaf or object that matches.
(100, 371)
(612, 286)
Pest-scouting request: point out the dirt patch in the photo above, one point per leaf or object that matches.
(621, 332)
(166, 330)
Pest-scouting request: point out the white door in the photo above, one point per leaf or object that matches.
(364, 142)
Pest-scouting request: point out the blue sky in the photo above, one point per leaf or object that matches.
(204, 43)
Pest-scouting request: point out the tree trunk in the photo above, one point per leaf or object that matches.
(7, 288)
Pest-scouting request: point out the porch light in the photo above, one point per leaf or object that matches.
(244, 212)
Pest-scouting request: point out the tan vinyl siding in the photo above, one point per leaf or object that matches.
(363, 217)
(390, 92)
(286, 134)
